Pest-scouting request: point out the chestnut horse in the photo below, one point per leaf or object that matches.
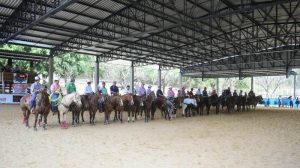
(25, 107)
(118, 106)
(128, 106)
(105, 100)
(42, 108)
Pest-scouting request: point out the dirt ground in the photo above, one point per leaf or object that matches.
(266, 138)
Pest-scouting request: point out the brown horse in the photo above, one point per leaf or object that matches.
(148, 105)
(128, 106)
(118, 106)
(93, 107)
(42, 108)
(85, 105)
(25, 103)
(138, 106)
(105, 100)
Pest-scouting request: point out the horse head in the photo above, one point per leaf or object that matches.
(131, 102)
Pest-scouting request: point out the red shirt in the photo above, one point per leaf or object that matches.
(191, 94)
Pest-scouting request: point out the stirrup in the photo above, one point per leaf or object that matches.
(32, 111)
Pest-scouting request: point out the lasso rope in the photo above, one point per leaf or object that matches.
(57, 100)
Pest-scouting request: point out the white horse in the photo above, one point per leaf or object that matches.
(63, 107)
(188, 101)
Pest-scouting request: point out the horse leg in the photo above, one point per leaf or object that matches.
(58, 116)
(73, 117)
(121, 116)
(45, 122)
(35, 121)
(82, 119)
(128, 116)
(27, 118)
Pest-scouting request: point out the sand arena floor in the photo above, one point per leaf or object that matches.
(266, 138)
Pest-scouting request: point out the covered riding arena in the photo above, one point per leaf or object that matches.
(203, 38)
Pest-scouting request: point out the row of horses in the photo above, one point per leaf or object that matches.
(135, 106)
(77, 104)
(232, 103)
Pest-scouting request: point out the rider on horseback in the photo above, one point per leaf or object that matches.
(142, 91)
(88, 88)
(34, 90)
(114, 89)
(127, 90)
(148, 91)
(241, 93)
(198, 93)
(234, 93)
(204, 92)
(190, 93)
(70, 86)
(159, 93)
(102, 90)
(251, 93)
(55, 93)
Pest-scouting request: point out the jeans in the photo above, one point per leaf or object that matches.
(32, 102)
(54, 101)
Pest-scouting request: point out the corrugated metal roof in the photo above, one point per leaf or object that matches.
(77, 7)
(11, 3)
(110, 5)
(97, 13)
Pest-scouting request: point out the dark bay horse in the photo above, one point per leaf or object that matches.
(253, 101)
(42, 108)
(93, 104)
(137, 108)
(160, 103)
(215, 101)
(85, 105)
(148, 105)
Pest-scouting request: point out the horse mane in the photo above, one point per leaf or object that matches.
(67, 97)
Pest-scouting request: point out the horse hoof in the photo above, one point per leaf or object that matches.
(35, 129)
(45, 128)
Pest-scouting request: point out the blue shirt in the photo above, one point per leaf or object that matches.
(35, 87)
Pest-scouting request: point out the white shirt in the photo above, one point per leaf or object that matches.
(87, 89)
(127, 91)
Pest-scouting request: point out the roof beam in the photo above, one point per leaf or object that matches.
(23, 13)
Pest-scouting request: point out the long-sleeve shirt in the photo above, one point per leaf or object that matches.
(148, 91)
(170, 93)
(127, 91)
(35, 87)
(198, 93)
(87, 89)
(142, 91)
(55, 88)
(204, 93)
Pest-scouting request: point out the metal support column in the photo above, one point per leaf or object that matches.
(96, 73)
(295, 85)
(51, 68)
(132, 77)
(159, 77)
(252, 83)
(180, 79)
(31, 65)
(217, 86)
(9, 62)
